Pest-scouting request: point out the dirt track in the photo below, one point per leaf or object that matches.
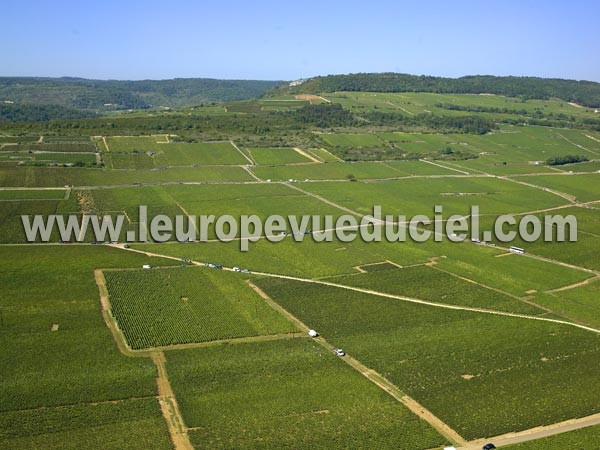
(166, 398)
(389, 387)
(169, 406)
(306, 155)
(535, 433)
(371, 375)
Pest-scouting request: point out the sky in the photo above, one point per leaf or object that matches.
(287, 40)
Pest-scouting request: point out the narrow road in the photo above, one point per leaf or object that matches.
(534, 433)
(392, 296)
(393, 390)
(371, 375)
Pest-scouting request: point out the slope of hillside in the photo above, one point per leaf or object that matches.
(106, 95)
(586, 93)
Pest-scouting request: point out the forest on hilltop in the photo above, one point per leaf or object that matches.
(585, 93)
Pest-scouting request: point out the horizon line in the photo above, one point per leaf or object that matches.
(74, 77)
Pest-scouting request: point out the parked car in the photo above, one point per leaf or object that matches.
(340, 352)
(237, 269)
(489, 446)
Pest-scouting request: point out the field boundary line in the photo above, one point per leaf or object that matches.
(115, 401)
(109, 320)
(491, 288)
(577, 145)
(313, 154)
(400, 107)
(169, 406)
(592, 138)
(393, 296)
(303, 153)
(166, 398)
(246, 157)
(214, 343)
(324, 99)
(252, 174)
(429, 303)
(370, 374)
(119, 337)
(554, 261)
(445, 167)
(564, 195)
(536, 432)
(323, 199)
(574, 285)
(334, 156)
(105, 144)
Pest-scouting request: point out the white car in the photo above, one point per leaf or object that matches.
(339, 352)
(237, 269)
(312, 333)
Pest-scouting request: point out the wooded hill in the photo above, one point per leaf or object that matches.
(586, 93)
(110, 95)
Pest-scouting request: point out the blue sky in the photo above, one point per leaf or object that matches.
(289, 40)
